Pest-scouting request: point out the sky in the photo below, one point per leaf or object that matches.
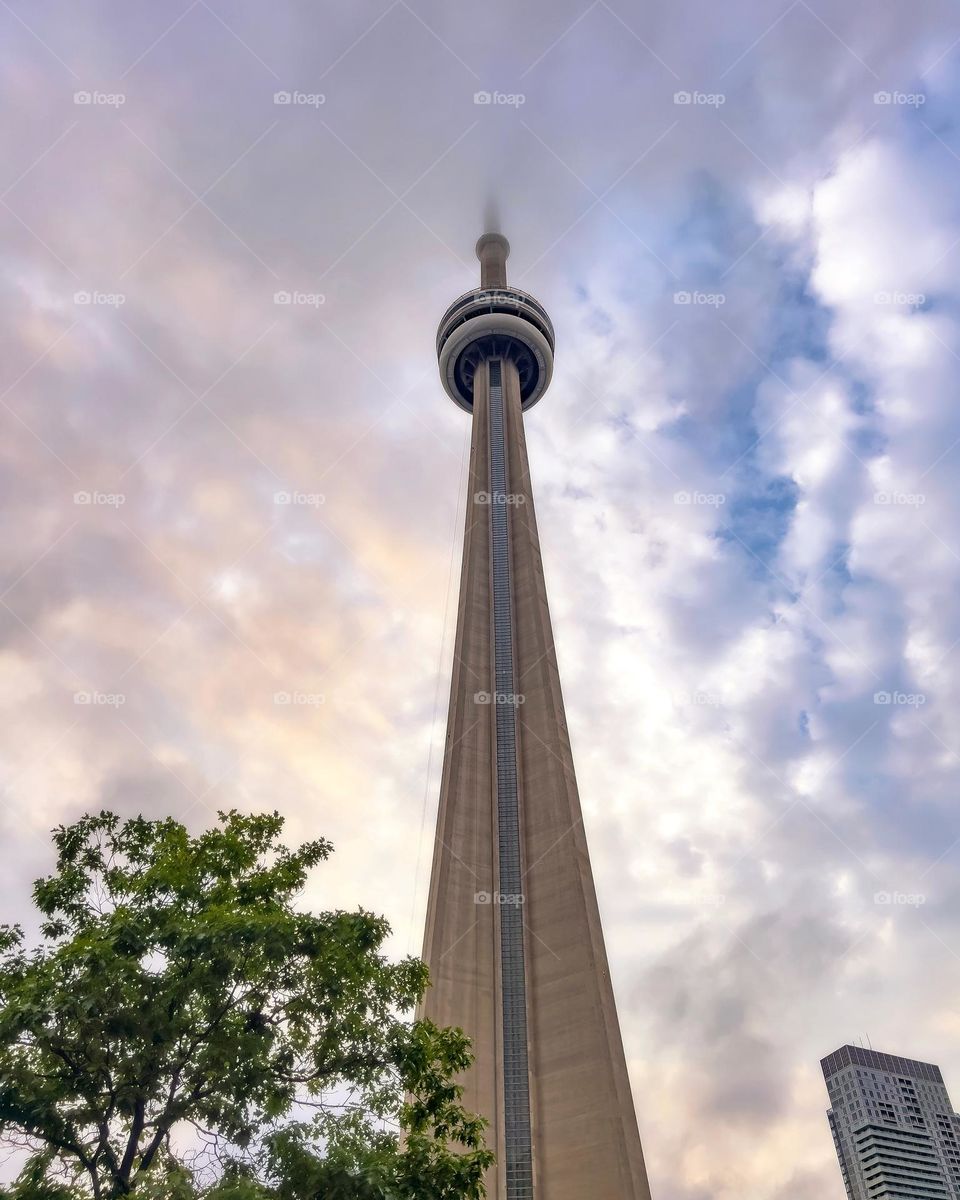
(234, 493)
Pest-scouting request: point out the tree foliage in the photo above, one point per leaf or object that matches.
(185, 1030)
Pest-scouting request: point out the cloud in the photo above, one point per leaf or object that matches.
(745, 498)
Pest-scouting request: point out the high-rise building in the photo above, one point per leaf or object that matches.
(513, 937)
(894, 1128)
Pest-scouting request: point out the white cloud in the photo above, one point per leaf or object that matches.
(719, 659)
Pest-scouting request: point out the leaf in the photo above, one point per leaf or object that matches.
(178, 982)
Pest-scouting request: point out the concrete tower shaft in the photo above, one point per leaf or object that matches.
(513, 936)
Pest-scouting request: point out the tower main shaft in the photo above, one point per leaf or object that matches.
(513, 937)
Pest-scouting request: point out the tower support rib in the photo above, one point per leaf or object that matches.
(509, 896)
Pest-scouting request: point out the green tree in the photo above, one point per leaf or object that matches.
(185, 1030)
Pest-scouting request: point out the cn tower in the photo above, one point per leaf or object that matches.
(513, 938)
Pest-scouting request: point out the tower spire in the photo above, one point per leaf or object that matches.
(493, 249)
(513, 938)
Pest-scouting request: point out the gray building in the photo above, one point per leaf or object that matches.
(894, 1128)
